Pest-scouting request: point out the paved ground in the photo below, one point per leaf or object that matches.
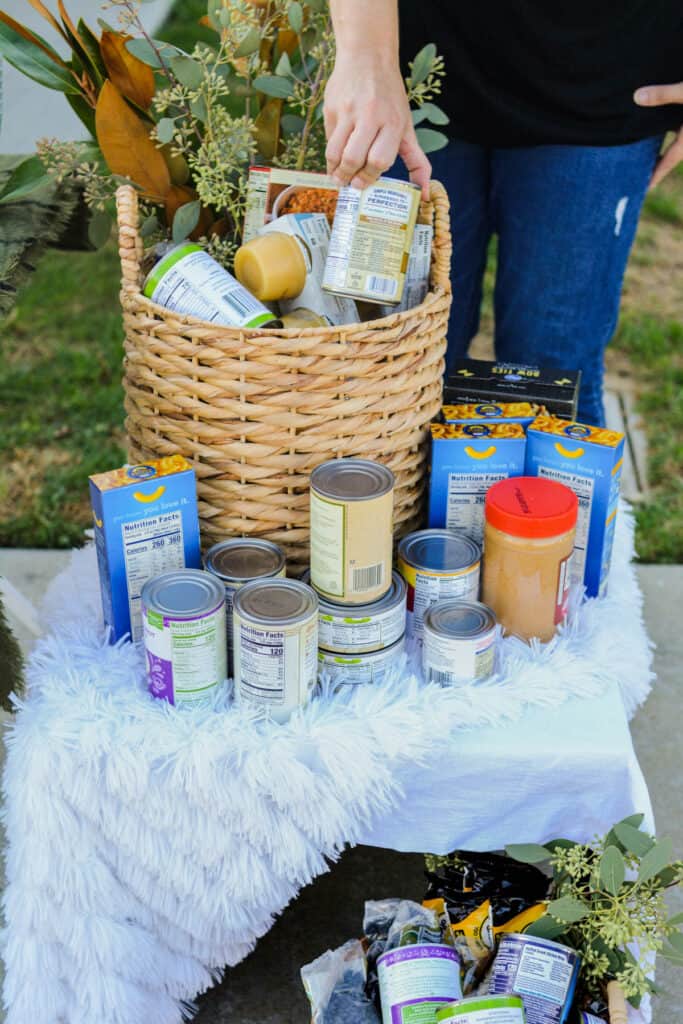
(265, 989)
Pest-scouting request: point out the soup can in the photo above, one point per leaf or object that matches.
(238, 561)
(370, 627)
(353, 669)
(275, 645)
(372, 234)
(542, 972)
(437, 564)
(183, 618)
(352, 503)
(483, 1010)
(459, 642)
(415, 981)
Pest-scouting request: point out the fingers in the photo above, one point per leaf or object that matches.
(419, 167)
(336, 143)
(671, 157)
(381, 156)
(659, 95)
(354, 157)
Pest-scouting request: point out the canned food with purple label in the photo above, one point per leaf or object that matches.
(483, 1010)
(415, 981)
(542, 972)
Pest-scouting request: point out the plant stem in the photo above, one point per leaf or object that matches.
(313, 103)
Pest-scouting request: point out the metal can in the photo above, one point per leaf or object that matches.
(483, 1010)
(275, 644)
(187, 280)
(352, 504)
(353, 669)
(371, 238)
(542, 972)
(183, 618)
(437, 564)
(458, 642)
(415, 981)
(302, 318)
(238, 561)
(371, 627)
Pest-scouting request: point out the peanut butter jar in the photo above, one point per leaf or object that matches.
(528, 543)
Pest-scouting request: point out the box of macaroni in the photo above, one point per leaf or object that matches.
(466, 460)
(479, 380)
(146, 523)
(589, 461)
(523, 413)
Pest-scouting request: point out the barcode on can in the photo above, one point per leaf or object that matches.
(385, 286)
(437, 676)
(242, 303)
(368, 578)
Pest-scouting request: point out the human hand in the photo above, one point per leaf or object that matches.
(368, 123)
(658, 96)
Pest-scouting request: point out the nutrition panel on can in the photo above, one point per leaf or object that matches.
(484, 1010)
(542, 973)
(275, 667)
(446, 659)
(151, 547)
(188, 280)
(186, 658)
(415, 980)
(348, 635)
(426, 588)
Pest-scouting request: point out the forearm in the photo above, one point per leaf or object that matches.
(366, 28)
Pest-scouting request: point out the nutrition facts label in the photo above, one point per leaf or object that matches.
(150, 546)
(327, 546)
(583, 487)
(466, 498)
(262, 663)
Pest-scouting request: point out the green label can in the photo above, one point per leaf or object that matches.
(483, 1010)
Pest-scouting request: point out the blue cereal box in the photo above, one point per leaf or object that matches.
(492, 412)
(146, 523)
(466, 460)
(588, 460)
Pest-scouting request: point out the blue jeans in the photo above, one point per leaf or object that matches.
(565, 217)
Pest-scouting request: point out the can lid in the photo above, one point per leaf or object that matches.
(244, 558)
(276, 602)
(459, 619)
(183, 593)
(439, 550)
(352, 479)
(531, 506)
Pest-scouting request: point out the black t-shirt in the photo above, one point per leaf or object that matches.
(527, 72)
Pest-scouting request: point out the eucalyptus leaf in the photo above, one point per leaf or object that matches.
(430, 140)
(249, 44)
(667, 877)
(632, 839)
(527, 853)
(145, 52)
(189, 72)
(422, 64)
(430, 112)
(561, 844)
(612, 870)
(674, 921)
(26, 178)
(213, 13)
(567, 908)
(655, 860)
(316, 5)
(186, 220)
(672, 955)
(545, 927)
(198, 108)
(295, 15)
(225, 17)
(284, 66)
(291, 124)
(635, 1001)
(676, 941)
(149, 226)
(99, 228)
(274, 85)
(165, 129)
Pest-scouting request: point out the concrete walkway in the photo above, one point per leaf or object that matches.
(265, 989)
(30, 111)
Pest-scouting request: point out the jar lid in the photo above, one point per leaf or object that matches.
(531, 506)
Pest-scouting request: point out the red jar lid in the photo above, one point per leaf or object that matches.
(531, 506)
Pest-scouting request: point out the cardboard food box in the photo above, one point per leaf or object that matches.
(416, 284)
(589, 461)
(146, 523)
(274, 191)
(477, 380)
(523, 413)
(467, 459)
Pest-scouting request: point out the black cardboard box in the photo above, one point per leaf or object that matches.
(476, 380)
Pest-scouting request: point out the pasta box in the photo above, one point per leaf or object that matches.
(479, 380)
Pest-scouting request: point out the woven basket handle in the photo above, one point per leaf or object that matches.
(436, 211)
(616, 1001)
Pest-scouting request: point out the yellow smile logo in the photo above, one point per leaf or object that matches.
(146, 498)
(486, 454)
(98, 522)
(575, 454)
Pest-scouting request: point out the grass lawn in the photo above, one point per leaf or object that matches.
(61, 414)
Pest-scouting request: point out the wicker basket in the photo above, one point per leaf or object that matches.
(256, 410)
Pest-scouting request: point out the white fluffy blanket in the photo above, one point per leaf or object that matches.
(149, 848)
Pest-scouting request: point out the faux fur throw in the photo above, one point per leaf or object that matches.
(151, 847)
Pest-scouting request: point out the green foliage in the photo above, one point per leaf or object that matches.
(27, 177)
(36, 60)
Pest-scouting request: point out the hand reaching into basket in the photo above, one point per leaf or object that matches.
(367, 114)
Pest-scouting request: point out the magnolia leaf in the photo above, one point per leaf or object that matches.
(430, 112)
(131, 76)
(149, 54)
(284, 67)
(149, 226)
(655, 860)
(268, 128)
(126, 144)
(612, 870)
(295, 16)
(26, 178)
(632, 839)
(568, 909)
(528, 853)
(545, 927)
(422, 64)
(83, 110)
(186, 220)
(249, 44)
(430, 140)
(92, 47)
(291, 124)
(99, 228)
(274, 85)
(165, 129)
(189, 72)
(31, 55)
(287, 41)
(40, 7)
